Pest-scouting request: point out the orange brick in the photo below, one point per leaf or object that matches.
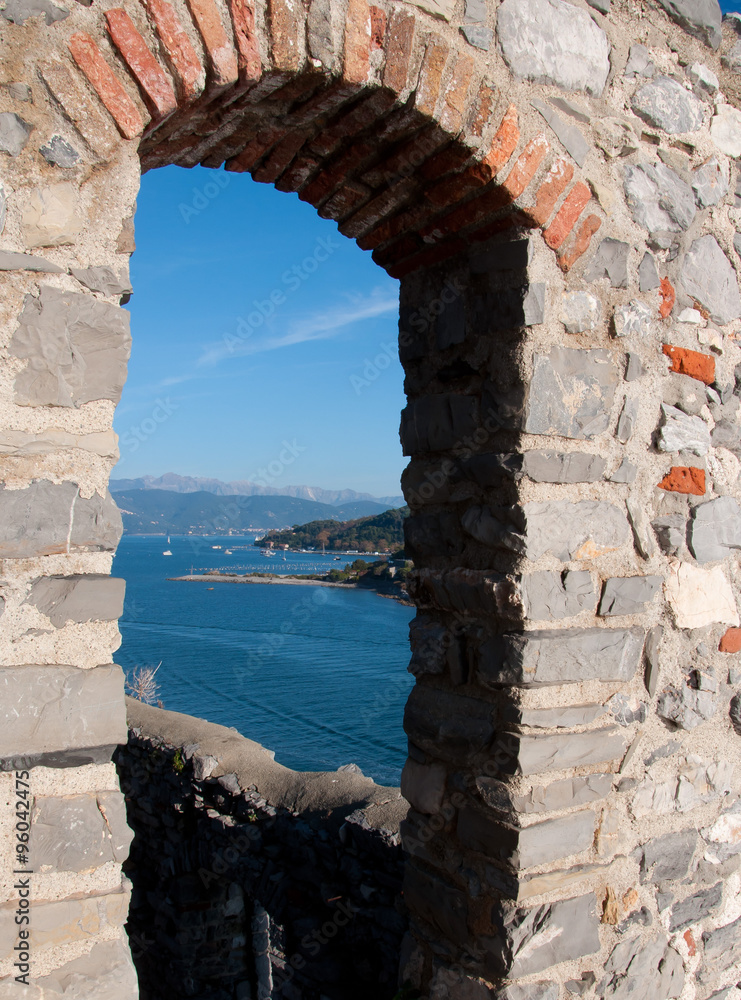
(335, 172)
(482, 110)
(580, 244)
(427, 258)
(357, 41)
(430, 76)
(181, 56)
(456, 94)
(668, 298)
(576, 201)
(280, 157)
(692, 363)
(148, 72)
(526, 165)
(691, 943)
(106, 84)
(556, 181)
(248, 53)
(378, 28)
(731, 641)
(361, 116)
(684, 479)
(399, 41)
(503, 144)
(221, 54)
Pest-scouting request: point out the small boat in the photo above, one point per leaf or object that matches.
(227, 552)
(167, 552)
(209, 588)
(337, 559)
(215, 546)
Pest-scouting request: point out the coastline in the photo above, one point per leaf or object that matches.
(290, 580)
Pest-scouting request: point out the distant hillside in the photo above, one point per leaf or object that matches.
(164, 512)
(242, 487)
(381, 533)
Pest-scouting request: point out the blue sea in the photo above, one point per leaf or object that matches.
(316, 674)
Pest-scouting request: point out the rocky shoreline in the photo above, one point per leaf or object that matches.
(382, 591)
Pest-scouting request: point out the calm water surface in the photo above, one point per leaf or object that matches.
(316, 674)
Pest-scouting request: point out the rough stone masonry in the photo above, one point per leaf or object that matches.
(570, 168)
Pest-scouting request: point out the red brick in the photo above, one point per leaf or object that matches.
(82, 109)
(731, 641)
(181, 56)
(427, 258)
(451, 190)
(357, 41)
(389, 229)
(358, 118)
(503, 144)
(297, 174)
(286, 34)
(324, 103)
(684, 479)
(430, 76)
(406, 159)
(299, 88)
(255, 149)
(106, 84)
(148, 72)
(456, 94)
(344, 201)
(335, 172)
(526, 166)
(221, 54)
(280, 157)
(378, 28)
(372, 213)
(556, 181)
(510, 220)
(248, 52)
(574, 204)
(692, 363)
(472, 213)
(569, 256)
(691, 943)
(400, 250)
(668, 298)
(399, 42)
(483, 110)
(453, 157)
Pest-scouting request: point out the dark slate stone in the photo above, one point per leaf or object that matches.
(627, 710)
(18, 11)
(723, 947)
(700, 18)
(634, 367)
(610, 261)
(91, 597)
(60, 758)
(670, 532)
(628, 595)
(14, 132)
(669, 857)
(442, 905)
(571, 393)
(59, 153)
(563, 467)
(447, 725)
(437, 423)
(715, 530)
(695, 908)
(538, 844)
(641, 968)
(665, 104)
(648, 274)
(734, 712)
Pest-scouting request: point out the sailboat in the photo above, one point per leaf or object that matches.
(167, 550)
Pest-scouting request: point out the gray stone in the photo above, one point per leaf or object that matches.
(530, 940)
(19, 92)
(723, 947)
(725, 129)
(59, 153)
(709, 277)
(34, 709)
(687, 394)
(670, 532)
(579, 987)
(580, 311)
(559, 718)
(572, 109)
(737, 243)
(559, 656)
(634, 319)
(628, 595)
(642, 537)
(626, 473)
(539, 754)
(447, 725)
(626, 710)
(680, 432)
(571, 393)
(10, 261)
(715, 530)
(643, 968)
(46, 519)
(104, 973)
(19, 11)
(476, 12)
(639, 63)
(658, 199)
(104, 280)
(669, 857)
(603, 6)
(528, 991)
(437, 423)
(423, 786)
(627, 422)
(573, 530)
(560, 467)
(570, 137)
(710, 183)
(610, 261)
(87, 598)
(538, 844)
(478, 35)
(76, 346)
(230, 783)
(735, 713)
(552, 42)
(700, 18)
(634, 367)
(665, 104)
(562, 794)
(685, 707)
(441, 905)
(73, 833)
(438, 8)
(14, 132)
(548, 596)
(203, 766)
(695, 908)
(3, 207)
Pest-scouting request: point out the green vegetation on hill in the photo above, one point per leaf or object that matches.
(381, 533)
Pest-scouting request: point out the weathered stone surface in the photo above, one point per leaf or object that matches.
(628, 595)
(715, 530)
(548, 596)
(578, 530)
(580, 311)
(701, 18)
(700, 597)
(45, 519)
(437, 423)
(104, 973)
(628, 418)
(539, 753)
(3, 206)
(552, 42)
(626, 710)
(562, 794)
(45, 709)
(681, 432)
(634, 368)
(423, 786)
(59, 153)
(76, 346)
(639, 968)
(705, 82)
(625, 473)
(478, 35)
(710, 183)
(665, 104)
(735, 713)
(570, 137)
(561, 656)
(658, 199)
(19, 11)
(530, 940)
(51, 216)
(722, 947)
(686, 707)
(670, 533)
(535, 845)
(104, 280)
(696, 907)
(709, 277)
(446, 726)
(725, 130)
(203, 766)
(563, 467)
(668, 857)
(634, 319)
(639, 63)
(530, 991)
(14, 132)
(648, 275)
(78, 598)
(555, 718)
(442, 905)
(10, 261)
(75, 832)
(610, 261)
(571, 393)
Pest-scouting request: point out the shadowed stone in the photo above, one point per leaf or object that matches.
(552, 42)
(715, 530)
(696, 907)
(437, 423)
(628, 595)
(709, 277)
(14, 132)
(535, 845)
(59, 153)
(670, 533)
(700, 18)
(75, 832)
(571, 393)
(442, 905)
(640, 968)
(610, 261)
(560, 467)
(549, 596)
(86, 598)
(669, 857)
(451, 725)
(665, 104)
(423, 786)
(658, 199)
(681, 432)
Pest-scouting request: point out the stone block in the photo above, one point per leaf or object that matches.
(571, 138)
(626, 710)
(14, 132)
(10, 261)
(563, 794)
(708, 276)
(715, 530)
(51, 216)
(647, 968)
(437, 423)
(423, 786)
(447, 725)
(76, 346)
(19, 11)
(45, 519)
(563, 467)
(478, 35)
(571, 393)
(668, 857)
(610, 261)
(648, 274)
(552, 42)
(540, 753)
(710, 183)
(86, 598)
(700, 18)
(579, 530)
(633, 319)
(548, 596)
(634, 367)
(539, 844)
(628, 595)
(104, 280)
(440, 904)
(725, 128)
(665, 104)
(106, 972)
(529, 991)
(682, 432)
(706, 83)
(580, 311)
(625, 473)
(700, 597)
(628, 419)
(686, 707)
(74, 833)
(659, 200)
(722, 947)
(59, 153)
(639, 63)
(46, 709)
(695, 908)
(558, 718)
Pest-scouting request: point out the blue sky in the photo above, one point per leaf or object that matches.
(264, 343)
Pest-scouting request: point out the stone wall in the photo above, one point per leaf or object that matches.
(556, 184)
